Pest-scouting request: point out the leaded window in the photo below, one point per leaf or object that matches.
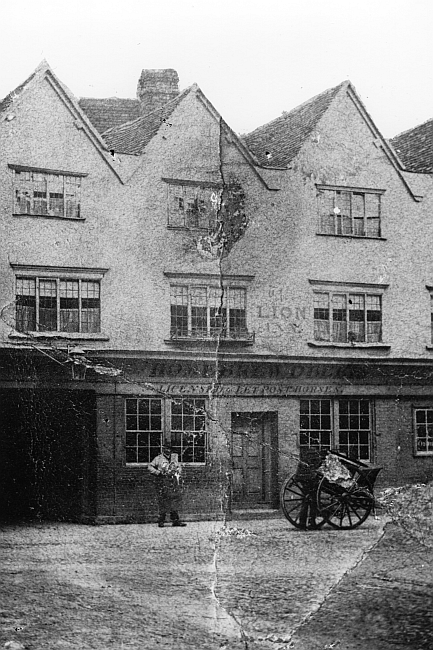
(347, 317)
(57, 305)
(193, 206)
(51, 194)
(207, 312)
(350, 212)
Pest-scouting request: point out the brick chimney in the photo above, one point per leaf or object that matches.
(156, 87)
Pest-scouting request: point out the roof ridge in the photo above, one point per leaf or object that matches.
(121, 99)
(305, 103)
(417, 126)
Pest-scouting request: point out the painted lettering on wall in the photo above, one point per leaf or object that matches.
(246, 390)
(279, 317)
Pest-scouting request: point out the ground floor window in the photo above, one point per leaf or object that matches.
(149, 421)
(423, 427)
(343, 424)
(188, 429)
(143, 429)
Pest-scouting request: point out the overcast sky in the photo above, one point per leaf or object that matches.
(252, 58)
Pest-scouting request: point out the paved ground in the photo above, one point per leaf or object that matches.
(139, 587)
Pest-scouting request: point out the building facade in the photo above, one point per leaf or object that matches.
(163, 278)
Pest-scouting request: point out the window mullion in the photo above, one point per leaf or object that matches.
(64, 196)
(189, 312)
(79, 304)
(37, 304)
(352, 225)
(365, 317)
(347, 317)
(47, 191)
(335, 424)
(58, 303)
(365, 214)
(208, 295)
(227, 296)
(379, 214)
(166, 419)
(334, 203)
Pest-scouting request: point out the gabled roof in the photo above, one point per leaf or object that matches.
(283, 137)
(109, 112)
(415, 147)
(44, 72)
(132, 138)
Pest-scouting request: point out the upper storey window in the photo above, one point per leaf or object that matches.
(349, 212)
(46, 193)
(192, 204)
(347, 317)
(57, 305)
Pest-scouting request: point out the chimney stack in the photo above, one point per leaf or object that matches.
(156, 87)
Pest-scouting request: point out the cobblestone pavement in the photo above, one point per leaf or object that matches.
(140, 587)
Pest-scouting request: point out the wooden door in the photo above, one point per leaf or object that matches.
(253, 459)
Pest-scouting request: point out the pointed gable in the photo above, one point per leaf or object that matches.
(283, 138)
(415, 147)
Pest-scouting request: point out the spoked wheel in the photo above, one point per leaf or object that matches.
(299, 505)
(344, 508)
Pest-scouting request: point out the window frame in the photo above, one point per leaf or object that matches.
(336, 431)
(350, 192)
(57, 275)
(416, 452)
(167, 430)
(49, 182)
(138, 431)
(348, 297)
(225, 333)
(183, 432)
(207, 194)
(348, 289)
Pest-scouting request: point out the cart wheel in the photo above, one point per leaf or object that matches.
(344, 508)
(299, 504)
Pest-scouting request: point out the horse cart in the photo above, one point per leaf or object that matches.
(329, 489)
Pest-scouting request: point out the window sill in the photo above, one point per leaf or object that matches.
(210, 341)
(81, 336)
(188, 228)
(47, 216)
(331, 344)
(423, 454)
(328, 234)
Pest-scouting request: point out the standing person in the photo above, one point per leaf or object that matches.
(166, 468)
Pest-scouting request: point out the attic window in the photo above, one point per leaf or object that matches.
(350, 212)
(47, 193)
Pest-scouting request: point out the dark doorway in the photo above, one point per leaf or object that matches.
(255, 459)
(47, 452)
